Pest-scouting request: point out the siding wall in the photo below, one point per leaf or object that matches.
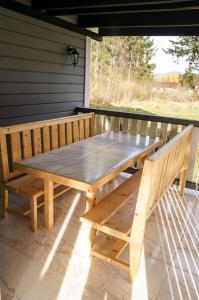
(37, 78)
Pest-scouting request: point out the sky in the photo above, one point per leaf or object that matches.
(164, 62)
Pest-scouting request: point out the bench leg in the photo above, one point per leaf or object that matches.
(91, 201)
(183, 176)
(4, 199)
(33, 213)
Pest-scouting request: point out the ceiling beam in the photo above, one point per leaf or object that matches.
(150, 31)
(177, 18)
(52, 4)
(23, 9)
(124, 9)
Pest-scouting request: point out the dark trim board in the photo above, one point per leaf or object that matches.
(101, 10)
(150, 31)
(23, 9)
(71, 4)
(137, 116)
(156, 19)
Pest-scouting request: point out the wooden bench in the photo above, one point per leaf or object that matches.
(26, 140)
(120, 218)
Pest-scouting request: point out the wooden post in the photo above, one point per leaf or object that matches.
(193, 153)
(182, 183)
(183, 174)
(33, 213)
(139, 221)
(48, 192)
(3, 199)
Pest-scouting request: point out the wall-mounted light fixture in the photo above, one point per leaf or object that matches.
(74, 54)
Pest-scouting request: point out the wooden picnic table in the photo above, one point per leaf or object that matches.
(86, 165)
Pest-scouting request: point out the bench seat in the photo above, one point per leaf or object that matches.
(113, 217)
(107, 214)
(28, 185)
(33, 188)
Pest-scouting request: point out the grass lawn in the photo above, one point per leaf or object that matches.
(183, 110)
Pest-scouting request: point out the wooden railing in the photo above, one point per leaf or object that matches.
(150, 125)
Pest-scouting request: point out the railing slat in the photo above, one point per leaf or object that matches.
(87, 129)
(99, 124)
(143, 128)
(153, 129)
(164, 128)
(134, 127)
(107, 123)
(116, 124)
(174, 130)
(125, 125)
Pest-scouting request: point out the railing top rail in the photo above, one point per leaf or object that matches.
(138, 116)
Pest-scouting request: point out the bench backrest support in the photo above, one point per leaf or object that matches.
(159, 172)
(26, 140)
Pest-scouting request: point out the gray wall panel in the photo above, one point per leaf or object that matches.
(38, 31)
(18, 111)
(16, 38)
(10, 63)
(37, 78)
(12, 88)
(9, 50)
(27, 99)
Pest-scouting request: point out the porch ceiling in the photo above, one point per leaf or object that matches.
(119, 17)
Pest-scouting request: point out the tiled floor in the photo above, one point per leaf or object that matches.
(56, 264)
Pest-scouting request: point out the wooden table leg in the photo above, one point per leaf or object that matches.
(48, 194)
(90, 202)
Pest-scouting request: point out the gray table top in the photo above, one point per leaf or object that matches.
(90, 159)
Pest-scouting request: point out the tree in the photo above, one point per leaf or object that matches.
(188, 79)
(128, 56)
(170, 78)
(186, 47)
